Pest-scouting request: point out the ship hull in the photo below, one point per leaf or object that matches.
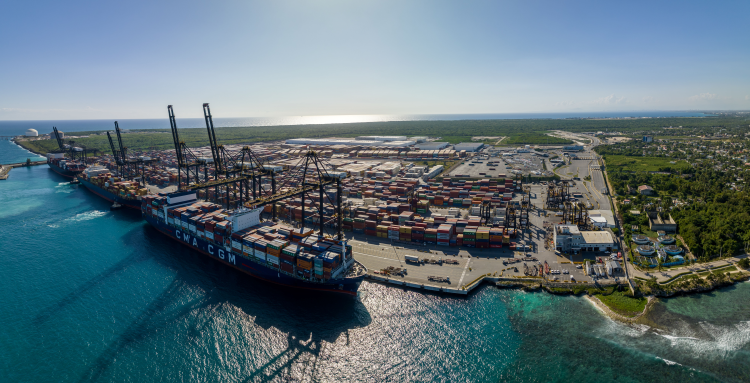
(346, 286)
(62, 172)
(111, 197)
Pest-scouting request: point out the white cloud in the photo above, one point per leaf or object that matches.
(703, 96)
(747, 97)
(648, 99)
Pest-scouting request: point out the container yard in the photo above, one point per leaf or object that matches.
(320, 205)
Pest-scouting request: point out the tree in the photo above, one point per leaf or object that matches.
(659, 263)
(744, 263)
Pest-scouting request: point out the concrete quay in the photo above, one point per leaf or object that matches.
(5, 169)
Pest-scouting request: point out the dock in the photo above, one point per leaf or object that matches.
(5, 169)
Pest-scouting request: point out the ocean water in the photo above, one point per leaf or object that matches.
(45, 126)
(10, 153)
(90, 295)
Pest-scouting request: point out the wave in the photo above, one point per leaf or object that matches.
(669, 362)
(64, 187)
(89, 215)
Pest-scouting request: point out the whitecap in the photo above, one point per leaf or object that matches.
(669, 362)
(89, 215)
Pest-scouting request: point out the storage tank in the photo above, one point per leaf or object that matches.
(32, 133)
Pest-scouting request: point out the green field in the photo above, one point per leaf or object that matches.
(624, 304)
(648, 164)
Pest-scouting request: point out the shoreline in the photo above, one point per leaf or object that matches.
(605, 310)
(13, 140)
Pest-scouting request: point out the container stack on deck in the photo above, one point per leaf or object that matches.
(115, 185)
(277, 246)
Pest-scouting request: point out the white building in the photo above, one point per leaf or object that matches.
(468, 146)
(32, 133)
(606, 214)
(435, 170)
(599, 222)
(432, 145)
(382, 138)
(568, 238)
(344, 141)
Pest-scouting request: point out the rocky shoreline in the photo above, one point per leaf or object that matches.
(582, 289)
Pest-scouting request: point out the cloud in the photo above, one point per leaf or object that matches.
(703, 96)
(610, 100)
(648, 99)
(747, 97)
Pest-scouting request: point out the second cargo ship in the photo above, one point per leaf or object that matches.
(268, 251)
(64, 167)
(101, 182)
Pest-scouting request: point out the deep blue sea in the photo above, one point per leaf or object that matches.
(89, 295)
(19, 127)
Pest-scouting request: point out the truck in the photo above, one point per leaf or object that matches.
(411, 258)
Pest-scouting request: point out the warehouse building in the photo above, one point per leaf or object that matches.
(381, 138)
(568, 238)
(468, 146)
(432, 145)
(349, 142)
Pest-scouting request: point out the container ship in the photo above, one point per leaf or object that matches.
(272, 252)
(64, 167)
(101, 182)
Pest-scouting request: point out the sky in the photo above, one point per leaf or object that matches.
(130, 59)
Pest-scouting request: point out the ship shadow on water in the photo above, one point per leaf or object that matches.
(308, 319)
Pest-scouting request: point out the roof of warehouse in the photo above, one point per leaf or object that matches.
(596, 237)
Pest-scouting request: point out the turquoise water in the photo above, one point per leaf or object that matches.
(11, 153)
(93, 295)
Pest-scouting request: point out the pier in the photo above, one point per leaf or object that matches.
(5, 169)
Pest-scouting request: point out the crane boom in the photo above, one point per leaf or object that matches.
(176, 138)
(59, 139)
(215, 152)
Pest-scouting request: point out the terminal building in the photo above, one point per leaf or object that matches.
(349, 142)
(468, 146)
(432, 145)
(569, 239)
(382, 138)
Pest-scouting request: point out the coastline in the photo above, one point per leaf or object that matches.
(604, 309)
(13, 140)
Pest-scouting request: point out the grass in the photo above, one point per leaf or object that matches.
(726, 268)
(623, 304)
(642, 163)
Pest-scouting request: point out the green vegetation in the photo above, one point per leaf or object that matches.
(623, 303)
(647, 164)
(744, 263)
